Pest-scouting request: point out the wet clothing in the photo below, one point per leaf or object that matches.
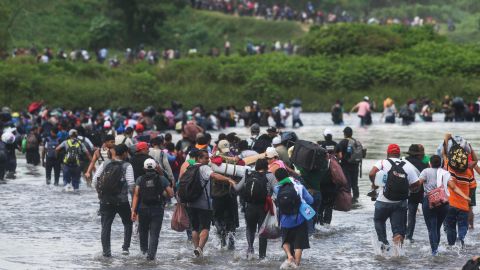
(107, 213)
(200, 219)
(434, 219)
(396, 212)
(296, 236)
(351, 170)
(415, 198)
(150, 218)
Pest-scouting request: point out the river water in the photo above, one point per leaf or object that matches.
(42, 227)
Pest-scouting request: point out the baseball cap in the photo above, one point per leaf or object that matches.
(271, 152)
(276, 140)
(72, 131)
(223, 146)
(142, 146)
(327, 131)
(149, 164)
(393, 149)
(107, 124)
(139, 127)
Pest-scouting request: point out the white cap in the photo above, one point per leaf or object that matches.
(72, 131)
(8, 138)
(327, 131)
(107, 124)
(276, 140)
(366, 98)
(271, 152)
(149, 164)
(223, 146)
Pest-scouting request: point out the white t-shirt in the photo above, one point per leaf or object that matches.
(410, 170)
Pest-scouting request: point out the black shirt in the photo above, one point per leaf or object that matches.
(329, 145)
(342, 147)
(137, 164)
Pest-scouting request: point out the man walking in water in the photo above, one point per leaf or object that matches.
(350, 153)
(364, 110)
(392, 199)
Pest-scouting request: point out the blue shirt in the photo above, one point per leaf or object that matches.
(291, 221)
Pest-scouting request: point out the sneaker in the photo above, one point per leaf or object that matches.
(125, 252)
(198, 252)
(385, 248)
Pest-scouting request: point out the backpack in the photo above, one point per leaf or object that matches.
(355, 149)
(111, 181)
(151, 189)
(32, 142)
(72, 155)
(457, 157)
(396, 187)
(308, 155)
(190, 188)
(51, 146)
(288, 200)
(255, 190)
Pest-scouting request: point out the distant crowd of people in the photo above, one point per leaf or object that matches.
(454, 109)
(309, 14)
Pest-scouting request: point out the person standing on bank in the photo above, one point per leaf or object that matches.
(113, 181)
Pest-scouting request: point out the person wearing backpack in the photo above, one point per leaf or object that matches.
(32, 153)
(161, 157)
(101, 154)
(73, 150)
(391, 202)
(50, 160)
(256, 186)
(433, 178)
(350, 152)
(289, 196)
(113, 180)
(194, 189)
(151, 191)
(455, 157)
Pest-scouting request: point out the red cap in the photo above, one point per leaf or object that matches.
(139, 127)
(142, 146)
(393, 149)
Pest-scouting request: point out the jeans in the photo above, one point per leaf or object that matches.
(396, 212)
(108, 212)
(71, 174)
(434, 219)
(56, 165)
(317, 202)
(411, 219)
(297, 121)
(149, 225)
(351, 172)
(456, 217)
(254, 217)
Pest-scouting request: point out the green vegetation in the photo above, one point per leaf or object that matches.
(336, 62)
(419, 64)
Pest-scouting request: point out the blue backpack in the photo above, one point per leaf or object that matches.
(51, 145)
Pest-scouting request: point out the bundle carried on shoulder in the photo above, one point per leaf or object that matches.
(308, 155)
(336, 172)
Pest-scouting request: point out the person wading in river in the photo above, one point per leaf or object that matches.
(392, 199)
(113, 181)
(151, 192)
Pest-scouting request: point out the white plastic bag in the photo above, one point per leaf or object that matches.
(270, 228)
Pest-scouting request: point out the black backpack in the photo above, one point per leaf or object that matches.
(288, 200)
(309, 155)
(396, 188)
(190, 188)
(255, 190)
(355, 148)
(151, 189)
(52, 145)
(111, 181)
(457, 157)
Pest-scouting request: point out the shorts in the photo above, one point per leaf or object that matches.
(473, 197)
(200, 219)
(296, 236)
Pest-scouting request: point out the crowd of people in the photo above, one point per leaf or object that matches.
(282, 184)
(455, 109)
(309, 14)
